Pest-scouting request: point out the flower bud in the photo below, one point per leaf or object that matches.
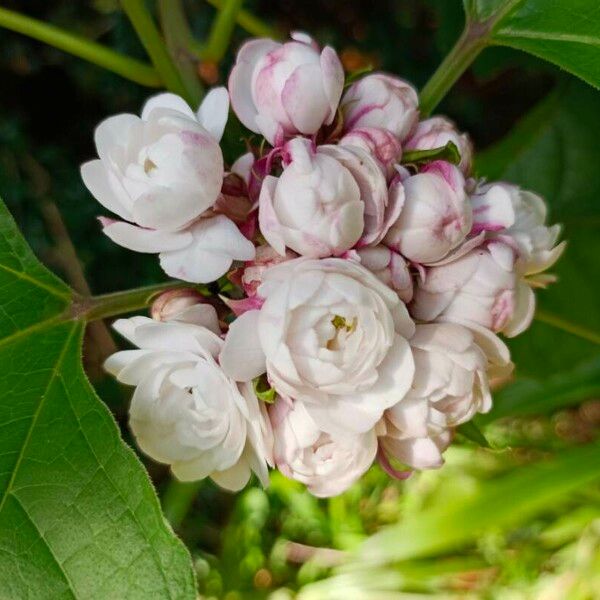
(517, 218)
(314, 207)
(436, 133)
(436, 216)
(252, 275)
(279, 90)
(380, 209)
(380, 143)
(328, 465)
(481, 288)
(389, 267)
(382, 101)
(172, 303)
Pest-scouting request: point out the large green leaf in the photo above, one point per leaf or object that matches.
(564, 32)
(554, 151)
(78, 515)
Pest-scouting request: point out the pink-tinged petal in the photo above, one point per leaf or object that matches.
(98, 181)
(240, 80)
(213, 112)
(242, 357)
(239, 307)
(464, 248)
(384, 463)
(114, 131)
(166, 100)
(267, 219)
(215, 244)
(144, 240)
(493, 210)
(303, 99)
(333, 80)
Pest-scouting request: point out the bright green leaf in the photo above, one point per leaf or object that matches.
(78, 516)
(566, 33)
(449, 153)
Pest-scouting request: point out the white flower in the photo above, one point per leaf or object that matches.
(380, 208)
(517, 217)
(328, 465)
(161, 173)
(436, 132)
(436, 216)
(389, 267)
(383, 101)
(481, 287)
(282, 89)
(452, 364)
(330, 333)
(380, 143)
(185, 412)
(314, 207)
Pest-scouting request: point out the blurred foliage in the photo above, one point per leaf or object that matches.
(532, 125)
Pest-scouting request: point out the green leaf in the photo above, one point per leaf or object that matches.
(78, 515)
(503, 502)
(449, 153)
(472, 432)
(554, 151)
(566, 33)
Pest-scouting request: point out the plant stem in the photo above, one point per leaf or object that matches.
(246, 20)
(179, 40)
(472, 41)
(572, 328)
(108, 59)
(221, 30)
(155, 47)
(118, 303)
(177, 500)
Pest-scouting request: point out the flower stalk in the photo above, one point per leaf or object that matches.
(108, 59)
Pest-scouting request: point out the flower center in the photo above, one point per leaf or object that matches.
(343, 328)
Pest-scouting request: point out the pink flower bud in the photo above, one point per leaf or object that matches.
(314, 207)
(185, 305)
(381, 144)
(517, 218)
(283, 89)
(481, 288)
(436, 133)
(266, 257)
(436, 216)
(169, 304)
(382, 101)
(380, 209)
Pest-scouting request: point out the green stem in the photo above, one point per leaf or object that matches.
(155, 47)
(108, 59)
(177, 500)
(221, 30)
(472, 41)
(118, 303)
(246, 20)
(550, 319)
(179, 40)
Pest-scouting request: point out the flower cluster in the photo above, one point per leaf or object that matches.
(364, 275)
